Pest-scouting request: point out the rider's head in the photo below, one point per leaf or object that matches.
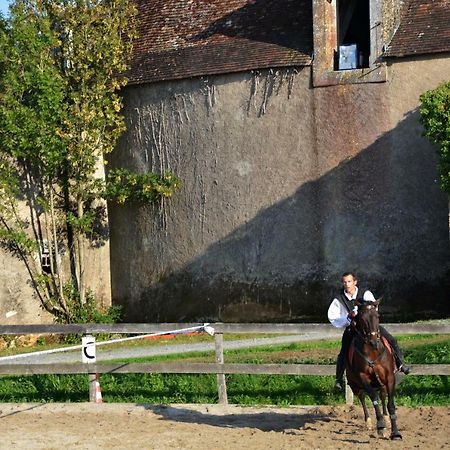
(349, 282)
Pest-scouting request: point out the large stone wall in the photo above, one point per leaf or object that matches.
(284, 188)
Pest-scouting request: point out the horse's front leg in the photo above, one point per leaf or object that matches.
(383, 401)
(395, 434)
(371, 392)
(367, 419)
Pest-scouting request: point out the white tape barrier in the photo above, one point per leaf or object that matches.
(205, 327)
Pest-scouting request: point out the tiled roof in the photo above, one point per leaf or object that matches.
(424, 28)
(187, 38)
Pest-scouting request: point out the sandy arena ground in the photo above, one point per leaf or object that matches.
(212, 427)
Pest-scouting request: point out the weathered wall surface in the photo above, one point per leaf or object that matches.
(284, 188)
(383, 213)
(17, 305)
(18, 301)
(422, 209)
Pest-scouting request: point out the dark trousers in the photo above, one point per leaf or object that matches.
(345, 344)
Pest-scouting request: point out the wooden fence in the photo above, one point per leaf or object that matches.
(220, 368)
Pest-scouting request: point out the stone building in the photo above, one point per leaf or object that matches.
(294, 127)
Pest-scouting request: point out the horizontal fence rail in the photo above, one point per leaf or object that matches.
(219, 368)
(269, 328)
(197, 368)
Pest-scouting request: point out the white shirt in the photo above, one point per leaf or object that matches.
(337, 312)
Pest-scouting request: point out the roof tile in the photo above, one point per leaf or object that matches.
(424, 29)
(187, 38)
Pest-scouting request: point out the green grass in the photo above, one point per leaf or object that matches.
(242, 389)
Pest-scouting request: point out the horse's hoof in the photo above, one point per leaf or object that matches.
(369, 424)
(381, 432)
(396, 436)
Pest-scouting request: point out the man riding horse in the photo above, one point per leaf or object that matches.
(341, 314)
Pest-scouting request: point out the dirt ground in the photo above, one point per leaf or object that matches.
(212, 427)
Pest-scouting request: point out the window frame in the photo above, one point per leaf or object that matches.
(325, 45)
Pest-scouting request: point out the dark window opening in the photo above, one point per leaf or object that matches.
(45, 257)
(353, 34)
(45, 262)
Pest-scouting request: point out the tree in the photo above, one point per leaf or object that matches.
(61, 71)
(435, 117)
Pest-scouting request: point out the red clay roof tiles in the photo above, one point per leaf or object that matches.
(187, 38)
(424, 29)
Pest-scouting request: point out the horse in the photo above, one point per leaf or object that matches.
(371, 369)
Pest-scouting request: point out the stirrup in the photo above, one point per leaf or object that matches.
(404, 369)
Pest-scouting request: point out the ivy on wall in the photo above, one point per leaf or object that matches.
(124, 186)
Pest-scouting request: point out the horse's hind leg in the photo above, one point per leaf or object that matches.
(395, 434)
(367, 419)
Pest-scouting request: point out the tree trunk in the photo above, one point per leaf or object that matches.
(54, 254)
(81, 257)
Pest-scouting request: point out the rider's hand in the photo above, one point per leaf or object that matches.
(351, 316)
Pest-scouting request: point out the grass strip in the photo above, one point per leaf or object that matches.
(242, 389)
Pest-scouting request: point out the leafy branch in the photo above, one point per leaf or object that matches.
(435, 117)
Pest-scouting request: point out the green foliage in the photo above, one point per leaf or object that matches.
(435, 117)
(62, 66)
(123, 186)
(17, 240)
(87, 312)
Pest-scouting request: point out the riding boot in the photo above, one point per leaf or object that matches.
(398, 356)
(401, 366)
(340, 368)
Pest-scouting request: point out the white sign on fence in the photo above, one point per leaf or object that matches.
(88, 349)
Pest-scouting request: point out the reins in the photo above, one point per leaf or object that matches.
(370, 362)
(362, 339)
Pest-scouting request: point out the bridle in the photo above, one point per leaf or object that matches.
(367, 338)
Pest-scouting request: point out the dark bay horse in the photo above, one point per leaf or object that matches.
(371, 370)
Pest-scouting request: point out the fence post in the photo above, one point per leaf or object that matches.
(92, 386)
(88, 357)
(221, 383)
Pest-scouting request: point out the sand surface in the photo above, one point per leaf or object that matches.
(214, 427)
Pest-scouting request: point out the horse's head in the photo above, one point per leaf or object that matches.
(368, 322)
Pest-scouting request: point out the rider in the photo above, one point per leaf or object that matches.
(341, 313)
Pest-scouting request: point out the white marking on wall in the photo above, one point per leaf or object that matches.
(243, 168)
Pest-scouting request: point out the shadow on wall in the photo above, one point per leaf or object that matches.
(380, 214)
(287, 23)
